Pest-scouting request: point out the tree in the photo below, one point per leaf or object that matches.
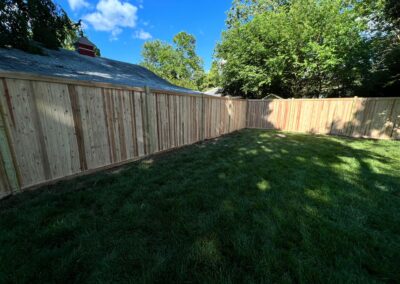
(301, 48)
(392, 12)
(312, 47)
(25, 24)
(213, 77)
(14, 24)
(177, 63)
(243, 11)
(383, 76)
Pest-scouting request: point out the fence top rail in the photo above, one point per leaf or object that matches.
(55, 79)
(60, 80)
(326, 99)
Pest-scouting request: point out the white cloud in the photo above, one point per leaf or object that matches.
(84, 26)
(114, 34)
(112, 16)
(141, 34)
(77, 4)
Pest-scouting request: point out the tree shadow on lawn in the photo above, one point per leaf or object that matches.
(255, 206)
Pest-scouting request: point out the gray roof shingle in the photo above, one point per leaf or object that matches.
(72, 65)
(84, 40)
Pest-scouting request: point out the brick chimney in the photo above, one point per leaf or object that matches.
(85, 47)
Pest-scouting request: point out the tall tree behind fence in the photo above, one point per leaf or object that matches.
(354, 117)
(56, 128)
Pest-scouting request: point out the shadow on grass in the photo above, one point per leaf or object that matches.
(254, 206)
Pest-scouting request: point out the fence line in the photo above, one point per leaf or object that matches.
(354, 117)
(56, 129)
(53, 128)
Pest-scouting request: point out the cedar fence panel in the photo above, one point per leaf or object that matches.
(377, 118)
(8, 179)
(55, 128)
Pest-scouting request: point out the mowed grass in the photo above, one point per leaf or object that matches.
(254, 206)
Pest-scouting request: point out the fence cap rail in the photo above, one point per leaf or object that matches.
(326, 99)
(61, 80)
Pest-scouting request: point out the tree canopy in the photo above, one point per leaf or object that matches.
(308, 48)
(30, 24)
(177, 62)
(213, 77)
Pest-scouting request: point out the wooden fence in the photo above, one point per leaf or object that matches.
(354, 117)
(52, 128)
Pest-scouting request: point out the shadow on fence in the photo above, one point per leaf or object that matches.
(371, 118)
(58, 130)
(254, 206)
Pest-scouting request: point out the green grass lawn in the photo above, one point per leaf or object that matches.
(254, 206)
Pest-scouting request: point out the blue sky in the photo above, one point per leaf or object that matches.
(120, 27)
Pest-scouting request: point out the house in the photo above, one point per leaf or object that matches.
(85, 47)
(82, 64)
(272, 97)
(218, 92)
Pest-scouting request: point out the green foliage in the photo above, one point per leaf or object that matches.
(213, 77)
(30, 24)
(392, 12)
(14, 24)
(308, 48)
(252, 207)
(383, 76)
(242, 11)
(97, 51)
(177, 63)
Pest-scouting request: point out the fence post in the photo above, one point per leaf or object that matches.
(394, 119)
(203, 117)
(247, 114)
(146, 120)
(230, 110)
(151, 121)
(10, 179)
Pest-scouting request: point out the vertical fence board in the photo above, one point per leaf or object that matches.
(139, 123)
(395, 118)
(9, 177)
(23, 131)
(54, 111)
(59, 129)
(91, 107)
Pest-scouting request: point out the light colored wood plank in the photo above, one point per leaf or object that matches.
(91, 106)
(139, 123)
(24, 133)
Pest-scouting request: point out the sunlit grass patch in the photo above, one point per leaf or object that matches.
(255, 206)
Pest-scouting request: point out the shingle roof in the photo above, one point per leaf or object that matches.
(84, 40)
(72, 65)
